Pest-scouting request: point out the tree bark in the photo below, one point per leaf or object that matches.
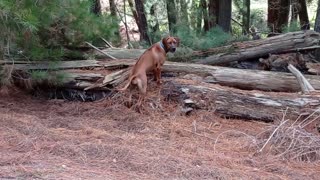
(251, 105)
(205, 14)
(96, 7)
(228, 103)
(246, 16)
(113, 10)
(224, 19)
(273, 15)
(134, 12)
(156, 27)
(278, 14)
(297, 41)
(260, 48)
(317, 21)
(294, 11)
(303, 15)
(184, 13)
(172, 15)
(213, 13)
(283, 15)
(143, 26)
(199, 18)
(238, 78)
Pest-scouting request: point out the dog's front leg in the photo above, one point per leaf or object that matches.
(158, 76)
(155, 74)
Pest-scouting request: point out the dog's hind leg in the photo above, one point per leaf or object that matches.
(157, 72)
(142, 85)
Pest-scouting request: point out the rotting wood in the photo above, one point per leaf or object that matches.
(263, 47)
(248, 105)
(239, 78)
(113, 79)
(313, 68)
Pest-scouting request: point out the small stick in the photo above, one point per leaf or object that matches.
(306, 87)
(272, 135)
(103, 39)
(101, 51)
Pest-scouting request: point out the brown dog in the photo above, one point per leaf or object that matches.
(151, 60)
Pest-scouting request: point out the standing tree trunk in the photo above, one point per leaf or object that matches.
(172, 15)
(96, 7)
(133, 10)
(225, 9)
(246, 16)
(303, 15)
(273, 14)
(113, 10)
(143, 26)
(294, 10)
(184, 13)
(199, 19)
(213, 12)
(155, 27)
(317, 29)
(317, 23)
(278, 14)
(204, 8)
(283, 15)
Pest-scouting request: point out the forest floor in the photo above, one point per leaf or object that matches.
(59, 139)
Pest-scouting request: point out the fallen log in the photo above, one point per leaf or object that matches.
(121, 53)
(288, 42)
(233, 103)
(239, 78)
(313, 68)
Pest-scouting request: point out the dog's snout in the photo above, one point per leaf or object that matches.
(173, 49)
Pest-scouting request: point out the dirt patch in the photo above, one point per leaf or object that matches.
(58, 139)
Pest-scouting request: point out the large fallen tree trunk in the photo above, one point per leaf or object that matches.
(122, 53)
(239, 78)
(261, 48)
(241, 104)
(239, 51)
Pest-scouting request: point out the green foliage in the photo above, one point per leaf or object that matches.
(39, 75)
(258, 20)
(213, 38)
(183, 54)
(191, 40)
(47, 77)
(292, 27)
(38, 30)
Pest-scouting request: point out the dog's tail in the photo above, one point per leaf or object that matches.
(127, 85)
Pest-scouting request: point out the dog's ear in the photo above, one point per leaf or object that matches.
(178, 40)
(164, 40)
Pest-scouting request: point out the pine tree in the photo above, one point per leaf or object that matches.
(42, 29)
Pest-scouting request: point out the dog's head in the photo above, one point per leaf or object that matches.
(171, 43)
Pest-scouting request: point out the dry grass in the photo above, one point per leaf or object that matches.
(56, 139)
(290, 140)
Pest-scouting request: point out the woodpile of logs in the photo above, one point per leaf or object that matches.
(289, 53)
